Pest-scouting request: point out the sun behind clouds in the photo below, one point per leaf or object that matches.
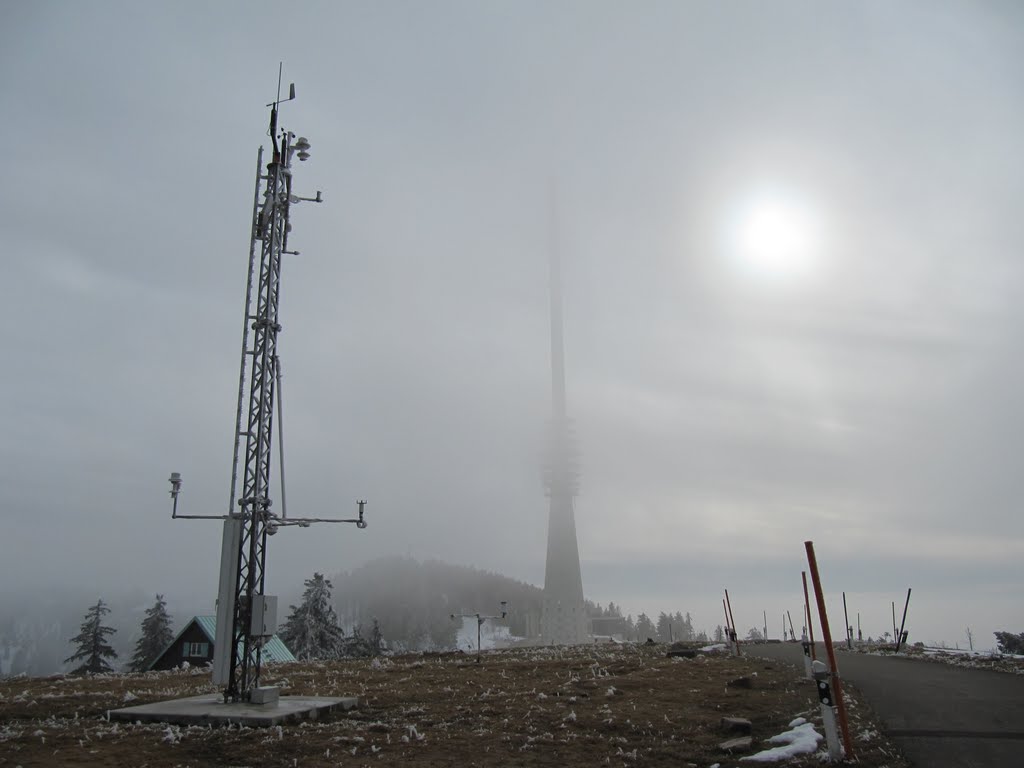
(774, 234)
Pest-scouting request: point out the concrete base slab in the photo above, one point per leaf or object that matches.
(210, 709)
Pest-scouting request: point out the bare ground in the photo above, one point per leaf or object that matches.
(593, 705)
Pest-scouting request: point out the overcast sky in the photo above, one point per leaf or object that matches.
(791, 241)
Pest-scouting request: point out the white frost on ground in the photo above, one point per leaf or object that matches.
(715, 647)
(800, 740)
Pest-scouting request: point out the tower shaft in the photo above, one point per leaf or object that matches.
(563, 619)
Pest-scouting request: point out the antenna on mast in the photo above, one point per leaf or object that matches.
(272, 131)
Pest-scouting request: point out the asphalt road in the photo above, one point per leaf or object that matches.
(941, 716)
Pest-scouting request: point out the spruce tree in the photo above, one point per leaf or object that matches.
(1008, 642)
(376, 639)
(156, 636)
(355, 645)
(93, 648)
(645, 628)
(312, 630)
(662, 628)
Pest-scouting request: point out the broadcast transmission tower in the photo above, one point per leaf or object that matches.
(246, 617)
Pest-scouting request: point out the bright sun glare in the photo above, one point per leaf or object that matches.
(775, 235)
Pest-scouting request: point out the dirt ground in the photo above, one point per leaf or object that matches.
(585, 706)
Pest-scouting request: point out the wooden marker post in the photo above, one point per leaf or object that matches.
(728, 626)
(901, 639)
(837, 685)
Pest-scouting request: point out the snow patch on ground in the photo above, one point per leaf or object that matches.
(800, 740)
(959, 657)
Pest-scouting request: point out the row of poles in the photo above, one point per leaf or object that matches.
(899, 631)
(826, 677)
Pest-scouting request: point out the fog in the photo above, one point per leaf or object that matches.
(859, 386)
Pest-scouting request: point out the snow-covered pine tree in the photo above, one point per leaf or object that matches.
(93, 648)
(156, 636)
(1008, 642)
(312, 631)
(355, 645)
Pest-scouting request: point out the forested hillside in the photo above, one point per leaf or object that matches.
(413, 601)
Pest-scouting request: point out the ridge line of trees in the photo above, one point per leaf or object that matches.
(398, 598)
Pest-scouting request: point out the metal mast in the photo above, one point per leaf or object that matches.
(246, 617)
(271, 228)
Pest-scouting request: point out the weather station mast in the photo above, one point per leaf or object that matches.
(246, 617)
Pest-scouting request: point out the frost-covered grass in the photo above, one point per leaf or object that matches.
(595, 705)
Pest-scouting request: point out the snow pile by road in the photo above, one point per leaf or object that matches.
(801, 739)
(958, 657)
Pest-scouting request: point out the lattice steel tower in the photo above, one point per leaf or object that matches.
(246, 617)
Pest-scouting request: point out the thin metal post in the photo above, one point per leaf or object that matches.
(807, 610)
(894, 623)
(847, 630)
(246, 320)
(280, 437)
